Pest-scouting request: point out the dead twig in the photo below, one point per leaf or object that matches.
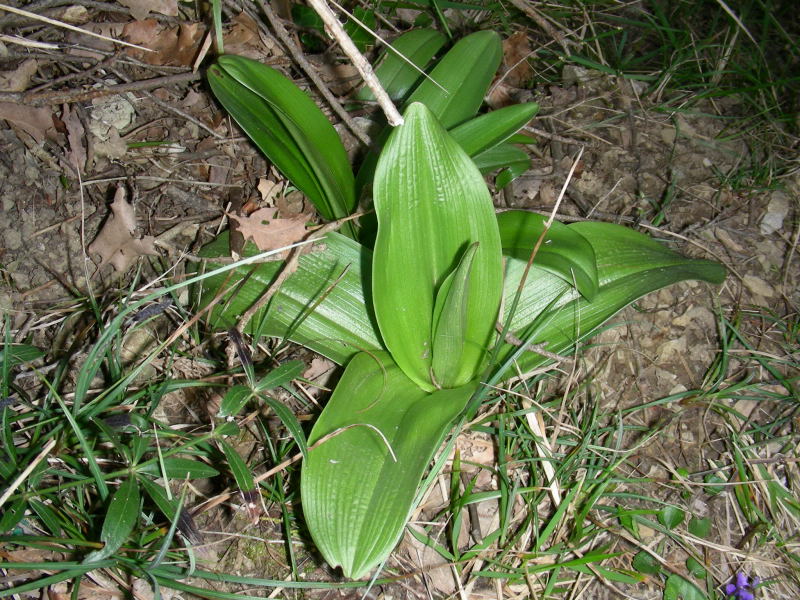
(72, 96)
(300, 59)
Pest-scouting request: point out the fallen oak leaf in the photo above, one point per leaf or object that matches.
(268, 232)
(36, 122)
(116, 243)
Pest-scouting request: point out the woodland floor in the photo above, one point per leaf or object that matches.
(71, 133)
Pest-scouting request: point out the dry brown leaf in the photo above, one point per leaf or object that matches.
(117, 243)
(268, 232)
(516, 50)
(75, 134)
(37, 122)
(175, 46)
(19, 79)
(141, 8)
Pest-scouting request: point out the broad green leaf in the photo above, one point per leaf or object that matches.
(179, 468)
(13, 514)
(357, 494)
(514, 162)
(289, 129)
(395, 74)
(671, 516)
(16, 354)
(629, 265)
(234, 400)
(281, 375)
(450, 323)
(158, 494)
(563, 252)
(645, 563)
(679, 588)
(464, 74)
(288, 419)
(700, 526)
(488, 130)
(239, 469)
(325, 305)
(123, 512)
(431, 203)
(361, 37)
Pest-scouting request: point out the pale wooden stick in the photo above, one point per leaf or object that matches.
(335, 29)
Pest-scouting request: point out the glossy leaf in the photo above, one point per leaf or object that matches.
(234, 400)
(563, 252)
(431, 203)
(488, 130)
(289, 129)
(179, 468)
(629, 265)
(450, 323)
(324, 305)
(239, 469)
(514, 162)
(15, 354)
(357, 494)
(158, 494)
(463, 75)
(398, 77)
(287, 417)
(281, 375)
(123, 513)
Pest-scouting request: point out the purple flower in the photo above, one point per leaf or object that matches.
(741, 588)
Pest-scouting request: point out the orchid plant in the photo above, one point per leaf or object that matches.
(420, 318)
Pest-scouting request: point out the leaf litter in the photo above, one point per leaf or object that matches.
(116, 243)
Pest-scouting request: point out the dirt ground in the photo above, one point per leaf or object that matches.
(68, 140)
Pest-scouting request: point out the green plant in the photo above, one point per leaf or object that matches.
(415, 318)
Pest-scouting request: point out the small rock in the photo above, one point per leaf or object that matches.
(777, 211)
(758, 286)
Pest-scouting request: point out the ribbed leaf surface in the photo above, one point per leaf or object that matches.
(563, 252)
(431, 203)
(356, 496)
(463, 77)
(398, 77)
(289, 129)
(629, 265)
(322, 306)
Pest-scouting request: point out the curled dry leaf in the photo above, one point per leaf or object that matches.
(176, 46)
(516, 50)
(268, 232)
(117, 243)
(37, 122)
(18, 79)
(75, 134)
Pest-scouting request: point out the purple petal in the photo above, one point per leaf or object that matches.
(729, 589)
(744, 595)
(741, 580)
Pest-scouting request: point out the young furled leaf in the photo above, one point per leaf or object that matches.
(431, 203)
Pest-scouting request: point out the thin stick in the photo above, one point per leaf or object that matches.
(35, 17)
(335, 29)
(27, 471)
(69, 97)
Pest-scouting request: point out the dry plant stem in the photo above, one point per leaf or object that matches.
(49, 21)
(69, 97)
(335, 29)
(27, 471)
(300, 59)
